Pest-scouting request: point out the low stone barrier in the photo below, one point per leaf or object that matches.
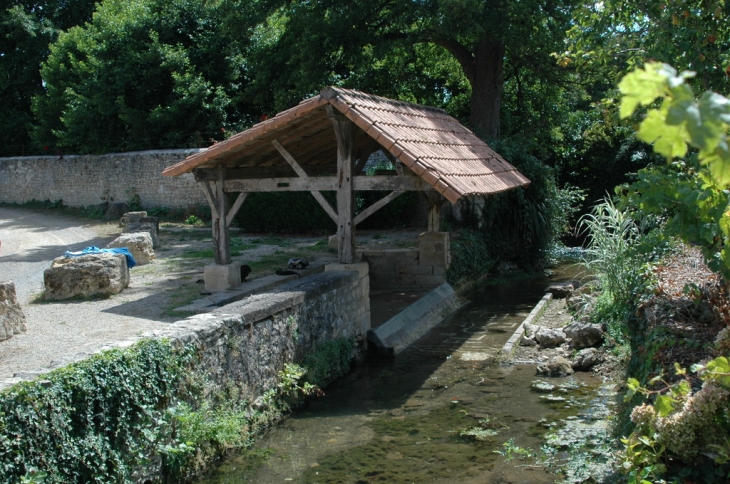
(87, 275)
(12, 318)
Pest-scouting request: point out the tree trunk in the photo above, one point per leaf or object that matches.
(487, 82)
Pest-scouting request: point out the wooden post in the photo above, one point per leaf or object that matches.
(434, 211)
(345, 134)
(221, 234)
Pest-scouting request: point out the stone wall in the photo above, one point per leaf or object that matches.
(91, 179)
(422, 268)
(248, 342)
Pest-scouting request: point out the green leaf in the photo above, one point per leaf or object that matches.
(641, 87)
(669, 141)
(664, 405)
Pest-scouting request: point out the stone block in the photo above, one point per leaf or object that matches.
(116, 210)
(222, 277)
(86, 275)
(131, 217)
(12, 318)
(150, 228)
(433, 249)
(362, 268)
(439, 270)
(138, 243)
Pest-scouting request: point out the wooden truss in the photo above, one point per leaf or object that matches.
(220, 181)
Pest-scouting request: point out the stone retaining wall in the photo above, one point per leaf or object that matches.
(91, 179)
(248, 342)
(422, 268)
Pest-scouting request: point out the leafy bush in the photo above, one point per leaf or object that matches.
(329, 360)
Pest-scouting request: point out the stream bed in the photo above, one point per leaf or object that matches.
(442, 411)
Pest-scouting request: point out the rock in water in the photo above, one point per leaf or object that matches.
(12, 319)
(138, 243)
(584, 335)
(558, 366)
(86, 275)
(586, 359)
(549, 338)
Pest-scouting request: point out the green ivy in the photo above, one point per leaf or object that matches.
(90, 421)
(329, 360)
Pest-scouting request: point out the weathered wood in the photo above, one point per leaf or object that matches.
(210, 196)
(327, 183)
(221, 234)
(234, 209)
(375, 207)
(434, 211)
(371, 147)
(289, 159)
(345, 134)
(300, 171)
(258, 172)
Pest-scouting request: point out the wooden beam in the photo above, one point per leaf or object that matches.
(289, 159)
(221, 234)
(345, 134)
(258, 172)
(376, 206)
(300, 171)
(208, 191)
(234, 209)
(327, 183)
(371, 147)
(434, 211)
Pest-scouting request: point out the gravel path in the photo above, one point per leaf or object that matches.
(57, 330)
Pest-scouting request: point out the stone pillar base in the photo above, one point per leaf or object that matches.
(222, 277)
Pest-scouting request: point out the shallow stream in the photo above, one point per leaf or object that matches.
(401, 420)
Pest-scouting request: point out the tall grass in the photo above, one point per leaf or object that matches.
(613, 252)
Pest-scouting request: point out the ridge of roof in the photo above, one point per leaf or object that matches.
(387, 121)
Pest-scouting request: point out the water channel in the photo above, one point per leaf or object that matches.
(399, 421)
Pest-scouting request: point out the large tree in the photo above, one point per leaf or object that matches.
(26, 30)
(147, 74)
(337, 41)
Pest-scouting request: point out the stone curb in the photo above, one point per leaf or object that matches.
(509, 347)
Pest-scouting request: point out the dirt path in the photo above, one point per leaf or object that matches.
(58, 330)
(61, 329)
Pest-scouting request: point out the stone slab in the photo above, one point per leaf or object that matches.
(256, 286)
(509, 347)
(221, 277)
(87, 275)
(399, 332)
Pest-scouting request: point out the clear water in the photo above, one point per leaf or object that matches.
(399, 421)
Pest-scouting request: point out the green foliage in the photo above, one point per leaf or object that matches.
(26, 30)
(612, 253)
(91, 421)
(146, 75)
(691, 193)
(328, 361)
(470, 257)
(676, 424)
(193, 220)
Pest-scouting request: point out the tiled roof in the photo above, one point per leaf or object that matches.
(427, 140)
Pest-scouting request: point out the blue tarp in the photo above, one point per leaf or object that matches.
(95, 250)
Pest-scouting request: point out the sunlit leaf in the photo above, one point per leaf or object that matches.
(664, 405)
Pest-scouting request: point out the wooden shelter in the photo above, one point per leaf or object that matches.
(323, 144)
